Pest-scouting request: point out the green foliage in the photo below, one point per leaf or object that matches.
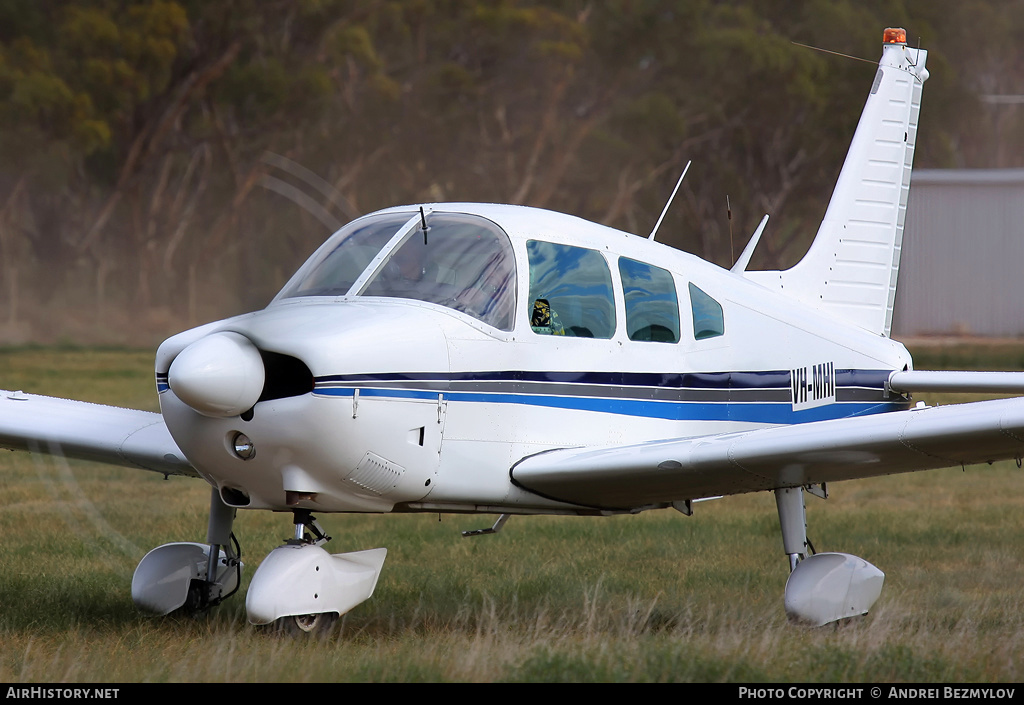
(355, 43)
(132, 135)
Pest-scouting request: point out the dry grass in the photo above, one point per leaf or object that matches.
(656, 597)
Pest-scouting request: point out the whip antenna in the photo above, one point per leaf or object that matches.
(728, 214)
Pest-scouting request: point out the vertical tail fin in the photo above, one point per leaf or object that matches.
(851, 268)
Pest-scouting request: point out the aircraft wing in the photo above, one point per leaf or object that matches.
(623, 477)
(78, 429)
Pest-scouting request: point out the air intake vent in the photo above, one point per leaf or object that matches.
(234, 497)
(376, 475)
(285, 376)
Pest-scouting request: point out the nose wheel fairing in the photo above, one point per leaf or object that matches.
(303, 582)
(307, 580)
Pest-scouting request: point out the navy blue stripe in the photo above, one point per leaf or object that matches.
(765, 379)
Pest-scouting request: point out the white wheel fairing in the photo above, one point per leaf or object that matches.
(828, 587)
(307, 580)
(162, 579)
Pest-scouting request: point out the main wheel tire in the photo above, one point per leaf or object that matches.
(195, 600)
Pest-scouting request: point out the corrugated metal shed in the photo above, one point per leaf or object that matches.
(962, 267)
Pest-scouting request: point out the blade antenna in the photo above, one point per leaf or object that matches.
(748, 251)
(665, 209)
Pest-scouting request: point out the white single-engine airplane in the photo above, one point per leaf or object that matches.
(499, 359)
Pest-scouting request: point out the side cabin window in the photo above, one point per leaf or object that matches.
(463, 261)
(652, 309)
(708, 321)
(570, 291)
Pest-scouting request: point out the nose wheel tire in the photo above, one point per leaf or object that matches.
(317, 624)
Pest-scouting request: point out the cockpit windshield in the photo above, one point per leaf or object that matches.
(335, 267)
(461, 261)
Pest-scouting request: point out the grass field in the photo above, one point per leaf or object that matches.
(655, 597)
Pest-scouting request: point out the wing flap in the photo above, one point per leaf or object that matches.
(623, 477)
(78, 429)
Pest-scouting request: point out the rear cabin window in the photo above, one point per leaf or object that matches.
(570, 291)
(708, 321)
(652, 309)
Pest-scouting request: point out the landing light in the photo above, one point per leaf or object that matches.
(894, 35)
(243, 447)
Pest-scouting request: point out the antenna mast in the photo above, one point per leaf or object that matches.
(728, 212)
(665, 209)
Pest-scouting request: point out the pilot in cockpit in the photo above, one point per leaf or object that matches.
(544, 320)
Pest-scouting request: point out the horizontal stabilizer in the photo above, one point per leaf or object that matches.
(658, 472)
(78, 429)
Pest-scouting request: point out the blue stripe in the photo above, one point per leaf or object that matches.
(777, 413)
